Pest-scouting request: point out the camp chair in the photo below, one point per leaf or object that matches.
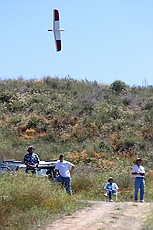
(106, 195)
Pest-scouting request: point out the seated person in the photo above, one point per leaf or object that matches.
(110, 189)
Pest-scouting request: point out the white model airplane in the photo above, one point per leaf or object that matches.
(56, 30)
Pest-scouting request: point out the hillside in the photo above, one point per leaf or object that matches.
(69, 116)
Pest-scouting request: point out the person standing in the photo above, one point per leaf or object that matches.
(139, 182)
(31, 160)
(63, 171)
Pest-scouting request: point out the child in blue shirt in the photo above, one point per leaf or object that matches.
(110, 188)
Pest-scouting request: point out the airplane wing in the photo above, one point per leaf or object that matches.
(56, 30)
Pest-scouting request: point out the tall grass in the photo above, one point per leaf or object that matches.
(27, 202)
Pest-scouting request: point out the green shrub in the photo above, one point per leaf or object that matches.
(5, 97)
(118, 86)
(14, 120)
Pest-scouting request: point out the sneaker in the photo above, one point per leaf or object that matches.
(135, 201)
(105, 194)
(142, 201)
(110, 200)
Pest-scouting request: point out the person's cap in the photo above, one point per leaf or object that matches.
(110, 178)
(30, 147)
(138, 160)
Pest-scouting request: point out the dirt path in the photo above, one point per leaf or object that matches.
(105, 215)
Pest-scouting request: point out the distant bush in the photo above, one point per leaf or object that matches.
(37, 122)
(5, 97)
(14, 120)
(118, 86)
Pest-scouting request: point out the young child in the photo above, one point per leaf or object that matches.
(110, 188)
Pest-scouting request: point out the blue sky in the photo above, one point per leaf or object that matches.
(103, 41)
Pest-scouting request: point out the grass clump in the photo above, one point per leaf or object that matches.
(26, 200)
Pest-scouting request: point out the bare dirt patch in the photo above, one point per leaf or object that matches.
(105, 215)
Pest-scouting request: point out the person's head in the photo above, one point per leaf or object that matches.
(61, 158)
(30, 149)
(138, 161)
(110, 180)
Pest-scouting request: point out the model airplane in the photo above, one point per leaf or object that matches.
(56, 30)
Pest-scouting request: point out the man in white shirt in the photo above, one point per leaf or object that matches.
(62, 173)
(139, 183)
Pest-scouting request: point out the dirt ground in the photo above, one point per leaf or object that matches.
(105, 215)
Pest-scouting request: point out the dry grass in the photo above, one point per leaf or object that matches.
(27, 200)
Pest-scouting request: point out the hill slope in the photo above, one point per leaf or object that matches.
(69, 116)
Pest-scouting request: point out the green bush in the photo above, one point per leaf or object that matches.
(118, 86)
(14, 120)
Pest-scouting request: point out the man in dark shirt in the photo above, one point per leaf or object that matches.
(31, 160)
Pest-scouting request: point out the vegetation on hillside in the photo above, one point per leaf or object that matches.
(75, 116)
(100, 128)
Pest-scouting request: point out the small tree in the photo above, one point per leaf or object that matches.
(118, 86)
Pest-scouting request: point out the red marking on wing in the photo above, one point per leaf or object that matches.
(58, 45)
(56, 15)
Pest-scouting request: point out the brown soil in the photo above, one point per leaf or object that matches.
(105, 215)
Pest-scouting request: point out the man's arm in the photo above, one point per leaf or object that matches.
(138, 173)
(134, 173)
(72, 167)
(36, 165)
(31, 166)
(26, 161)
(56, 172)
(36, 161)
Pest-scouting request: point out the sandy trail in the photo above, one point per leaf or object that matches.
(105, 215)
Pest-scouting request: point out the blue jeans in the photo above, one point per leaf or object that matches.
(111, 193)
(66, 181)
(139, 183)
